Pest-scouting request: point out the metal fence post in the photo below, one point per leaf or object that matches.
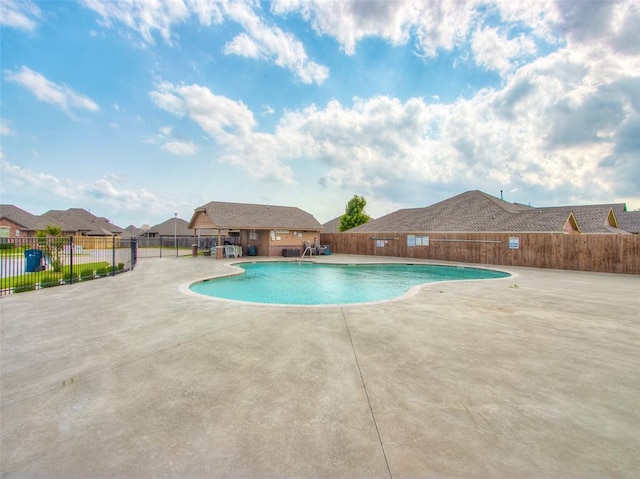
(113, 255)
(71, 248)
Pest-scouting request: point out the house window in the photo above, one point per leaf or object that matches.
(4, 231)
(253, 235)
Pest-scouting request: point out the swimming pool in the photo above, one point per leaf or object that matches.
(294, 283)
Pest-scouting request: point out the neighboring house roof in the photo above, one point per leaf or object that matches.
(170, 227)
(332, 226)
(476, 211)
(225, 215)
(80, 220)
(24, 219)
(134, 231)
(591, 218)
(629, 221)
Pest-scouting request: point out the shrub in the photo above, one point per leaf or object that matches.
(49, 280)
(120, 266)
(86, 274)
(102, 271)
(23, 285)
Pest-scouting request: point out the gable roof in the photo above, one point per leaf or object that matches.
(134, 230)
(81, 220)
(332, 226)
(629, 221)
(470, 211)
(476, 211)
(591, 218)
(24, 219)
(172, 226)
(225, 215)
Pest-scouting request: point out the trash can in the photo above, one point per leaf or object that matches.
(327, 250)
(194, 250)
(253, 250)
(219, 252)
(33, 261)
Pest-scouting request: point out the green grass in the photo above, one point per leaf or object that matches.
(27, 281)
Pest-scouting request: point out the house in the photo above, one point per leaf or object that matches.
(265, 230)
(18, 223)
(478, 212)
(170, 228)
(80, 222)
(134, 231)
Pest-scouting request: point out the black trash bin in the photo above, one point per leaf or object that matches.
(253, 250)
(33, 261)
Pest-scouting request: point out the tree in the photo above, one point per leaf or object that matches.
(52, 243)
(354, 214)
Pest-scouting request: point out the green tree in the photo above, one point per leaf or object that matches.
(52, 243)
(354, 214)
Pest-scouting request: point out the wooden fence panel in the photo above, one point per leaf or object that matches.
(610, 253)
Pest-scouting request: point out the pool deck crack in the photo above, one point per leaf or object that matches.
(366, 393)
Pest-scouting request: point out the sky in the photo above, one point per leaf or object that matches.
(137, 110)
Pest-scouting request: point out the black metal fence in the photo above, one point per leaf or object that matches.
(166, 246)
(27, 264)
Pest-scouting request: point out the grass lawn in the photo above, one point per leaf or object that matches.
(28, 281)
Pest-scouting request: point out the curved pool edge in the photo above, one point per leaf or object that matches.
(185, 287)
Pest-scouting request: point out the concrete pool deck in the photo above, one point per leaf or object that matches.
(129, 377)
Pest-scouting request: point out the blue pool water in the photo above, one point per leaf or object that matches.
(316, 284)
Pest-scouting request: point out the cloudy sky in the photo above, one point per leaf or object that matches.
(136, 110)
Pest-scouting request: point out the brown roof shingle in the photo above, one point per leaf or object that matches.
(23, 218)
(226, 215)
(476, 211)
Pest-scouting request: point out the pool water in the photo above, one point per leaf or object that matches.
(295, 283)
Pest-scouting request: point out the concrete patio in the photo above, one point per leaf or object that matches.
(537, 375)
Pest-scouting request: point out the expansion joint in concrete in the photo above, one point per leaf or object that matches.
(366, 393)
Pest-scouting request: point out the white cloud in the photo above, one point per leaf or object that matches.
(270, 42)
(106, 192)
(231, 124)
(49, 92)
(224, 119)
(432, 23)
(181, 148)
(166, 130)
(243, 46)
(145, 17)
(20, 14)
(5, 128)
(494, 51)
(259, 40)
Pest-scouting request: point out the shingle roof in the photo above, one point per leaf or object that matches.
(476, 211)
(23, 218)
(332, 226)
(591, 218)
(254, 216)
(78, 219)
(172, 226)
(629, 221)
(134, 230)
(469, 211)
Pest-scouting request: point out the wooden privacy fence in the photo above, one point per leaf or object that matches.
(609, 253)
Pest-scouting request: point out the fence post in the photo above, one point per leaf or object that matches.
(134, 253)
(71, 248)
(113, 255)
